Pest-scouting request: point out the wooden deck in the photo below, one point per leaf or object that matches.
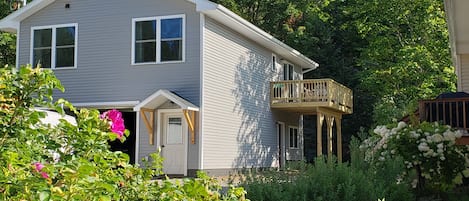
(307, 96)
(449, 111)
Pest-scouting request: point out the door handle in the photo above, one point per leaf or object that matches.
(162, 146)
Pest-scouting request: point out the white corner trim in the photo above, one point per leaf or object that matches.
(17, 59)
(202, 84)
(137, 137)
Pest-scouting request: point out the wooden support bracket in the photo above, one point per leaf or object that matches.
(149, 123)
(190, 118)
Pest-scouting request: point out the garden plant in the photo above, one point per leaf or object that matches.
(72, 160)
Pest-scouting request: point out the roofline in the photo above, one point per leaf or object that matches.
(247, 28)
(11, 24)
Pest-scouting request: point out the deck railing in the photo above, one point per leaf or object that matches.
(315, 92)
(449, 111)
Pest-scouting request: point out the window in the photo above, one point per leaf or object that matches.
(158, 39)
(288, 71)
(293, 137)
(274, 62)
(54, 46)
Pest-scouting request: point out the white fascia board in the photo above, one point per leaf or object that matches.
(108, 105)
(11, 22)
(254, 33)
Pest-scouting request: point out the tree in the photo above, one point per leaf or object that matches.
(7, 40)
(406, 57)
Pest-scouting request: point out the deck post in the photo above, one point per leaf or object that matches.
(320, 120)
(339, 138)
(330, 124)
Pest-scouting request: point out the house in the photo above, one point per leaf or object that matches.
(210, 89)
(453, 108)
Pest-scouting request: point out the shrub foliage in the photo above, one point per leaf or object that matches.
(72, 161)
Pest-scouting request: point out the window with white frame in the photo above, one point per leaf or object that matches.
(274, 62)
(54, 46)
(158, 39)
(293, 131)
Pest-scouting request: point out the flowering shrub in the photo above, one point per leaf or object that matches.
(73, 161)
(427, 149)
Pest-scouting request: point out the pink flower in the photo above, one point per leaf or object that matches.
(38, 166)
(117, 122)
(44, 175)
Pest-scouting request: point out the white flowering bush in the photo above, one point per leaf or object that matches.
(427, 149)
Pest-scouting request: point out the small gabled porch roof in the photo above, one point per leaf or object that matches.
(160, 97)
(151, 104)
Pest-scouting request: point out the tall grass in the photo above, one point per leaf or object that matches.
(329, 181)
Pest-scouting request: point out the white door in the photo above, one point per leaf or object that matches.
(173, 144)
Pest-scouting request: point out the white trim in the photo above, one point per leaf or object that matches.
(149, 102)
(161, 114)
(158, 39)
(107, 105)
(274, 62)
(202, 103)
(281, 144)
(17, 59)
(137, 137)
(53, 44)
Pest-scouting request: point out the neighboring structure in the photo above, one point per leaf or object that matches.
(212, 90)
(453, 108)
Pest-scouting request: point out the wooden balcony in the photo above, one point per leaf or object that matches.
(449, 111)
(307, 96)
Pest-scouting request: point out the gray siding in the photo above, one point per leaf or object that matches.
(464, 72)
(104, 72)
(238, 127)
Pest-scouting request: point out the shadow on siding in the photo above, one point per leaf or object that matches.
(256, 138)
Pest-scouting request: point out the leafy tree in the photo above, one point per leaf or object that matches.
(406, 57)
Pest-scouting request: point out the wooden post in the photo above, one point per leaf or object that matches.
(339, 139)
(149, 123)
(320, 120)
(330, 124)
(190, 119)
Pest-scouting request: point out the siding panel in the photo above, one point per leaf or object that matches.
(465, 73)
(238, 128)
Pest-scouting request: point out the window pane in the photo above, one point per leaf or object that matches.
(174, 135)
(171, 28)
(65, 36)
(42, 57)
(65, 57)
(171, 50)
(145, 52)
(145, 30)
(43, 38)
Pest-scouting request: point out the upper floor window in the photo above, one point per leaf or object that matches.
(158, 39)
(54, 46)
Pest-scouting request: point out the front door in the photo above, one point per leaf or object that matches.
(173, 143)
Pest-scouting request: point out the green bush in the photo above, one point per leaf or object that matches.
(329, 181)
(427, 150)
(73, 161)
